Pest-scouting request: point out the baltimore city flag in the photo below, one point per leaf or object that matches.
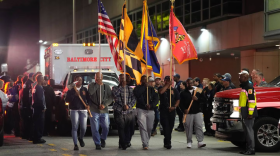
(182, 46)
(130, 49)
(150, 42)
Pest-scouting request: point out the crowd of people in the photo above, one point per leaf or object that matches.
(31, 98)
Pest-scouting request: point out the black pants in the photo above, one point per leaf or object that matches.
(207, 115)
(156, 120)
(131, 127)
(16, 119)
(123, 122)
(48, 122)
(27, 123)
(167, 120)
(38, 120)
(180, 115)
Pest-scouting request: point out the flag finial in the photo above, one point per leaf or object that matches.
(172, 1)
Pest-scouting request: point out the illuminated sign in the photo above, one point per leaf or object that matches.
(88, 59)
(58, 51)
(57, 57)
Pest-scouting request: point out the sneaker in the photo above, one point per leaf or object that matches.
(76, 148)
(180, 129)
(103, 143)
(201, 144)
(82, 143)
(167, 146)
(154, 133)
(189, 145)
(128, 145)
(98, 147)
(41, 141)
(145, 148)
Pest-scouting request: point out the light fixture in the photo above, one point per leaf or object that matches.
(218, 54)
(210, 59)
(40, 41)
(232, 54)
(45, 42)
(203, 28)
(277, 45)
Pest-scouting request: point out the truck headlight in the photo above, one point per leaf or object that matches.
(235, 109)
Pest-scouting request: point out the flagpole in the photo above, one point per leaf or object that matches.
(99, 53)
(124, 68)
(146, 45)
(171, 58)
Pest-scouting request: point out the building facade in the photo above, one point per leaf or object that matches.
(237, 34)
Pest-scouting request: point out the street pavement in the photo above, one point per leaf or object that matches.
(63, 146)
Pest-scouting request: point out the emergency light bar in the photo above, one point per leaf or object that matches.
(88, 44)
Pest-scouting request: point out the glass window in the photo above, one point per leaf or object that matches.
(165, 20)
(89, 33)
(232, 8)
(114, 24)
(152, 10)
(187, 9)
(196, 17)
(118, 22)
(139, 15)
(86, 40)
(93, 38)
(178, 3)
(130, 17)
(110, 79)
(273, 21)
(215, 11)
(205, 4)
(187, 19)
(187, 1)
(206, 14)
(159, 8)
(86, 34)
(77, 37)
(153, 19)
(165, 6)
(179, 11)
(159, 21)
(215, 2)
(196, 6)
(94, 31)
(138, 25)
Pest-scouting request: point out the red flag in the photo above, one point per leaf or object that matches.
(182, 46)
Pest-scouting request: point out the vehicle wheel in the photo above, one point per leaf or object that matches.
(266, 134)
(239, 144)
(1, 137)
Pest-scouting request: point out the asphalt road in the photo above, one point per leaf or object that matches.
(63, 146)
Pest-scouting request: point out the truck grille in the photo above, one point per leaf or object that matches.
(222, 106)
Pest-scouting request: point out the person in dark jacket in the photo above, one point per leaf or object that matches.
(198, 83)
(27, 108)
(50, 101)
(21, 110)
(226, 84)
(167, 110)
(179, 112)
(39, 108)
(78, 112)
(228, 75)
(207, 108)
(145, 111)
(194, 117)
(218, 85)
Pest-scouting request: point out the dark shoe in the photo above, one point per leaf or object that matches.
(180, 130)
(120, 146)
(250, 152)
(242, 152)
(76, 148)
(128, 145)
(82, 143)
(41, 141)
(154, 133)
(168, 147)
(98, 147)
(103, 143)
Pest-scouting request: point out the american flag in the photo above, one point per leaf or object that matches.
(106, 28)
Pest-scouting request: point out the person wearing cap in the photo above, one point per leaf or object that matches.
(250, 76)
(226, 84)
(26, 108)
(218, 85)
(50, 103)
(167, 109)
(179, 111)
(248, 109)
(145, 111)
(157, 82)
(229, 76)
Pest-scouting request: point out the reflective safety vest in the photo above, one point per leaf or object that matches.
(247, 100)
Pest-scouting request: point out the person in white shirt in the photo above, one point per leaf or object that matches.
(3, 96)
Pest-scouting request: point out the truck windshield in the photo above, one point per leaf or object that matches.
(110, 79)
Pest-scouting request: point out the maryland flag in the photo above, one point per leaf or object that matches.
(135, 64)
(182, 46)
(149, 42)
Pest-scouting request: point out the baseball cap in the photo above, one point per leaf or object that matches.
(218, 75)
(151, 79)
(30, 75)
(243, 72)
(177, 75)
(167, 78)
(227, 75)
(226, 79)
(197, 79)
(157, 78)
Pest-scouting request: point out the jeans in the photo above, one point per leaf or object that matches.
(123, 122)
(76, 118)
(103, 120)
(156, 121)
(38, 120)
(167, 120)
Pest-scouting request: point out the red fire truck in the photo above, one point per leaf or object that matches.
(226, 119)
